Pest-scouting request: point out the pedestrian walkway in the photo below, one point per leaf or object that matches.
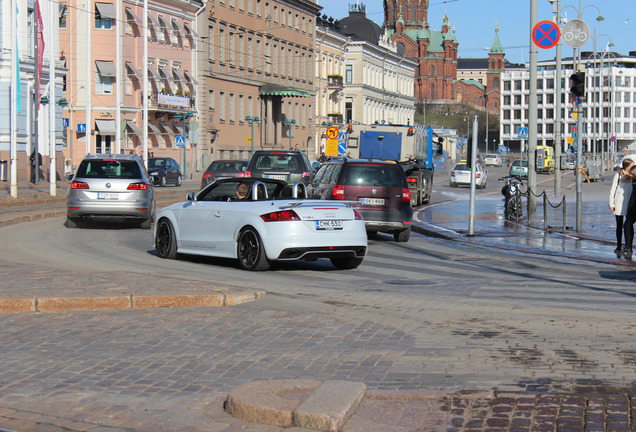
(596, 241)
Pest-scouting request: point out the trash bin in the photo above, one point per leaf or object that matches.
(3, 170)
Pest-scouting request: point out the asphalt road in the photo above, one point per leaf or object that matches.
(421, 315)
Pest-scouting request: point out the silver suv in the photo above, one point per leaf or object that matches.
(110, 187)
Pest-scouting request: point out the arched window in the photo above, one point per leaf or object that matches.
(495, 83)
(432, 71)
(400, 49)
(432, 91)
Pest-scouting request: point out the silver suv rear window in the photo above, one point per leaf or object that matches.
(102, 168)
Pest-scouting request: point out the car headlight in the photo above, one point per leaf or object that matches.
(154, 173)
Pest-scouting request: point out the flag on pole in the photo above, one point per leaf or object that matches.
(40, 45)
(607, 48)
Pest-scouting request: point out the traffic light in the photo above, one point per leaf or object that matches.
(577, 85)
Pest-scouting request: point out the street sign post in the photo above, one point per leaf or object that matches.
(522, 132)
(332, 133)
(546, 34)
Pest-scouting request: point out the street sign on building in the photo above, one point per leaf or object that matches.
(81, 127)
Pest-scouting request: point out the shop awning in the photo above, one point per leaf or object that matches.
(106, 68)
(277, 90)
(134, 71)
(164, 71)
(105, 127)
(190, 77)
(176, 24)
(154, 74)
(189, 29)
(133, 17)
(166, 128)
(154, 129)
(178, 75)
(162, 23)
(106, 10)
(133, 127)
(154, 21)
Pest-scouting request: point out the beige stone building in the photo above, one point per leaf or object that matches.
(256, 77)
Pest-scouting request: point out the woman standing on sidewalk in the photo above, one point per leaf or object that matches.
(619, 204)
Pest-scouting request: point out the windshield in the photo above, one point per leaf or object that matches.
(156, 163)
(519, 162)
(108, 169)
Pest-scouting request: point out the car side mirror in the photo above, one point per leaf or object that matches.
(192, 197)
(69, 177)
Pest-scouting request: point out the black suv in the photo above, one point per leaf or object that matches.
(380, 188)
(289, 165)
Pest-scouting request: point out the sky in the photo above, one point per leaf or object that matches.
(475, 22)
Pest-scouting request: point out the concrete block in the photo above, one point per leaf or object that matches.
(269, 402)
(82, 303)
(177, 300)
(17, 305)
(329, 406)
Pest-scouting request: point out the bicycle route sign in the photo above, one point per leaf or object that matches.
(546, 34)
(576, 33)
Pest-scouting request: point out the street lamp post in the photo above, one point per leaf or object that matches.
(252, 120)
(289, 123)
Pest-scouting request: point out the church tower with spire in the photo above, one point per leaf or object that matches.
(496, 66)
(406, 25)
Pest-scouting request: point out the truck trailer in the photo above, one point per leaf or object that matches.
(412, 147)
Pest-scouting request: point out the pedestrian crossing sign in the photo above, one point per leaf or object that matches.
(522, 133)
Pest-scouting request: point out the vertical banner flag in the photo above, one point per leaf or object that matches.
(40, 47)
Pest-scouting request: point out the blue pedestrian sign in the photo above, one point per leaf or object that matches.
(342, 143)
(65, 122)
(502, 149)
(81, 127)
(180, 140)
(522, 133)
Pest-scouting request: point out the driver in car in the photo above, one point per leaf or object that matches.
(241, 191)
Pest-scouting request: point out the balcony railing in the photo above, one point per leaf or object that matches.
(335, 82)
(336, 118)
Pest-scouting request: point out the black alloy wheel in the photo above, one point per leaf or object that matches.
(250, 251)
(165, 240)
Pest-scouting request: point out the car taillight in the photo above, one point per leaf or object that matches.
(357, 214)
(241, 174)
(280, 216)
(338, 192)
(411, 179)
(478, 175)
(305, 174)
(79, 185)
(452, 173)
(406, 195)
(207, 175)
(137, 186)
(248, 173)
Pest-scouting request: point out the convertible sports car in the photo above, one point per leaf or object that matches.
(274, 222)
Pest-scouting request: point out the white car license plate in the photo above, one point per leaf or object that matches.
(107, 195)
(373, 201)
(277, 176)
(329, 225)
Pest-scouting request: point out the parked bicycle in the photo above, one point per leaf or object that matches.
(513, 197)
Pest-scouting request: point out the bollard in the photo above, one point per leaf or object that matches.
(564, 213)
(545, 212)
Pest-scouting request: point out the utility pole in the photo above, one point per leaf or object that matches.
(532, 116)
(556, 9)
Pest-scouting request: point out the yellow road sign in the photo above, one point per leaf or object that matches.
(331, 147)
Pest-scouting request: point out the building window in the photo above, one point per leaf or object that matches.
(103, 15)
(222, 45)
(517, 99)
(221, 106)
(63, 15)
(349, 73)
(232, 108)
(210, 44)
(103, 84)
(241, 108)
(507, 85)
(211, 103)
(517, 85)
